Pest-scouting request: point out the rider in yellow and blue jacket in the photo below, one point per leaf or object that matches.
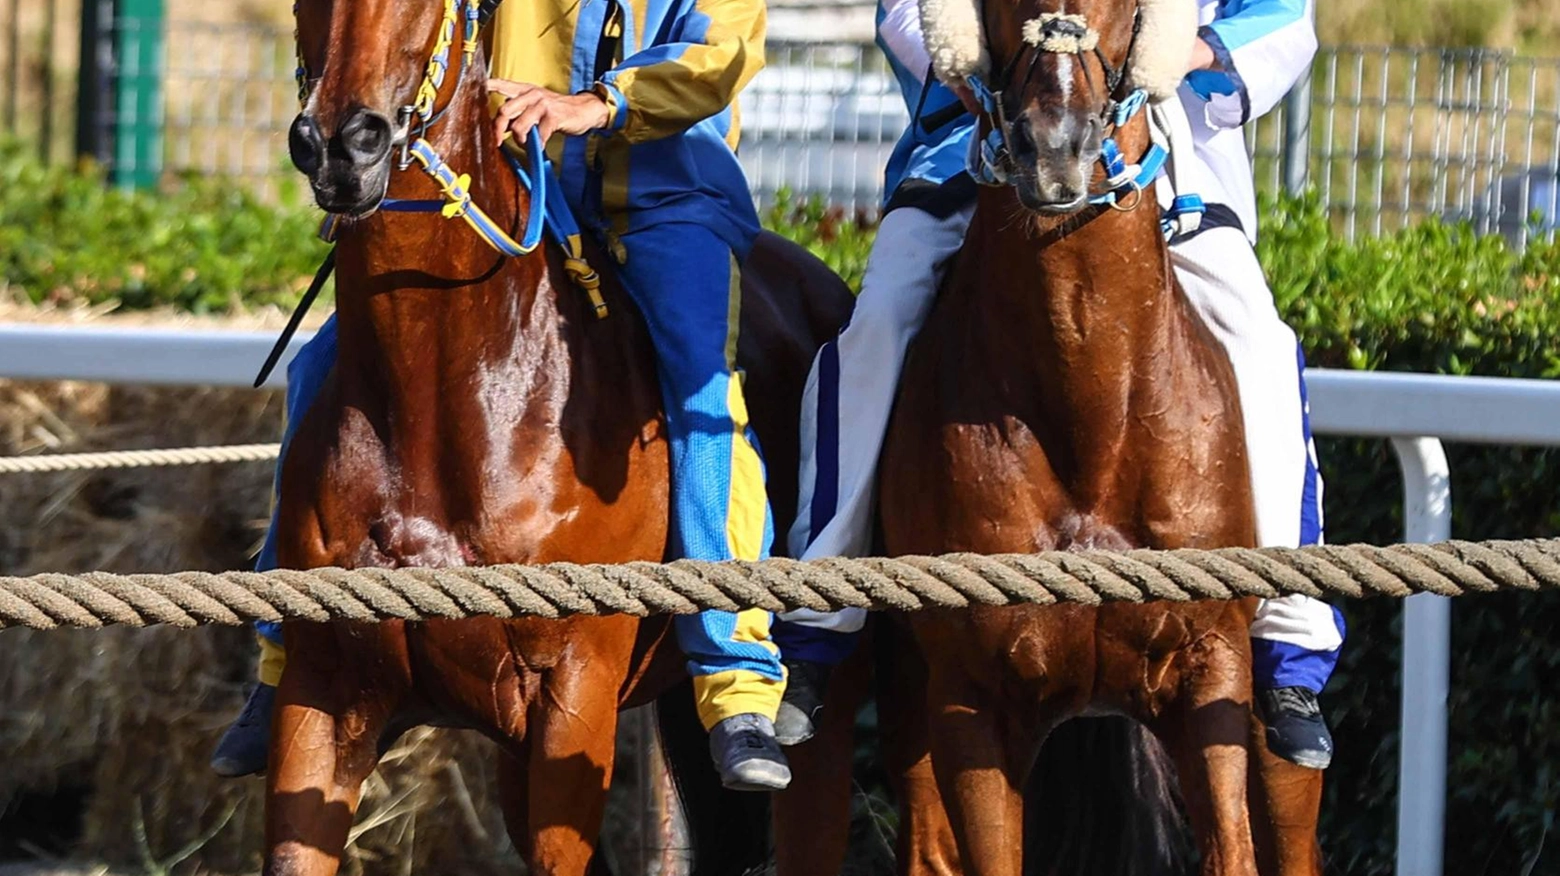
(636, 100)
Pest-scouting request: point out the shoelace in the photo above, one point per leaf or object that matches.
(1297, 700)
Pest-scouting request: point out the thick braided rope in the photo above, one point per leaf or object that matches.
(907, 583)
(139, 458)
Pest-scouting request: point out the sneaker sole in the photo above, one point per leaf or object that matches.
(792, 726)
(757, 778)
(230, 770)
(1311, 760)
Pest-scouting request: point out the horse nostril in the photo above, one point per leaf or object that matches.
(305, 145)
(1090, 135)
(1022, 141)
(365, 137)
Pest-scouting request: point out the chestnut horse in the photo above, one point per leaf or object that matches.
(479, 412)
(1065, 396)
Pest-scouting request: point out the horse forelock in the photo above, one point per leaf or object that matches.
(956, 41)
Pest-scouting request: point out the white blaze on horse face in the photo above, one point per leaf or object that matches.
(1064, 75)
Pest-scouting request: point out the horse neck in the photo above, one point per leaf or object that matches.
(1082, 310)
(426, 309)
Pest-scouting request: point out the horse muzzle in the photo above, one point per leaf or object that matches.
(1053, 158)
(348, 170)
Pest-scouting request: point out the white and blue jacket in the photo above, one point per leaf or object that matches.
(922, 161)
(1263, 48)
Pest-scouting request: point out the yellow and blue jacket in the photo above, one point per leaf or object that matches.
(668, 154)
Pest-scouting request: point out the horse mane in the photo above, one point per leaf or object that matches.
(956, 41)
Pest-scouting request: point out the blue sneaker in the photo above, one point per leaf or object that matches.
(245, 746)
(1296, 730)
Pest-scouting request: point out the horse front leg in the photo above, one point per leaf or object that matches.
(570, 748)
(324, 744)
(925, 845)
(1286, 802)
(980, 764)
(1206, 731)
(812, 816)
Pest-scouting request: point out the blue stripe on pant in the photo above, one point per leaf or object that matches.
(1277, 663)
(685, 280)
(804, 642)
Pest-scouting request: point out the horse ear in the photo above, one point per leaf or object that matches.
(954, 38)
(1166, 32)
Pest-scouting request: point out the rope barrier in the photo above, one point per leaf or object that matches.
(188, 599)
(139, 458)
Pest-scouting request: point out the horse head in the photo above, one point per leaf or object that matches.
(1055, 78)
(370, 73)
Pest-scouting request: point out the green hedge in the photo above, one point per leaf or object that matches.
(1434, 297)
(196, 245)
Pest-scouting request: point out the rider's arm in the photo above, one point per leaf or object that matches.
(900, 28)
(667, 88)
(1261, 48)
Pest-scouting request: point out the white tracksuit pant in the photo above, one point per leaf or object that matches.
(851, 389)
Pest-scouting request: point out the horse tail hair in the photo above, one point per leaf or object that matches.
(1103, 800)
(728, 830)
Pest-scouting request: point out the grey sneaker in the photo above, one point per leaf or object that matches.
(747, 755)
(245, 746)
(805, 685)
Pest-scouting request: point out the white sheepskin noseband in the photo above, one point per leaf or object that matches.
(956, 41)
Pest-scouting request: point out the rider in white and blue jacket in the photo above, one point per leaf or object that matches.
(1249, 54)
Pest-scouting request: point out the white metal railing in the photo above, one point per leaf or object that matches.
(1414, 411)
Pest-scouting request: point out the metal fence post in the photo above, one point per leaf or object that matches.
(46, 115)
(1427, 633)
(14, 55)
(138, 93)
(94, 91)
(1297, 136)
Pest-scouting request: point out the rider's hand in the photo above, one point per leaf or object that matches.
(1202, 57)
(966, 97)
(548, 111)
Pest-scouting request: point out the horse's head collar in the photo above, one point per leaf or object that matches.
(1056, 85)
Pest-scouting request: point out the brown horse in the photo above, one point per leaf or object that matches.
(480, 413)
(1065, 396)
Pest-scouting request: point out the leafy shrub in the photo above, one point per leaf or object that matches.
(196, 245)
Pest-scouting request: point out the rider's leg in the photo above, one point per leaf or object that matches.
(845, 410)
(242, 749)
(685, 280)
(1295, 640)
